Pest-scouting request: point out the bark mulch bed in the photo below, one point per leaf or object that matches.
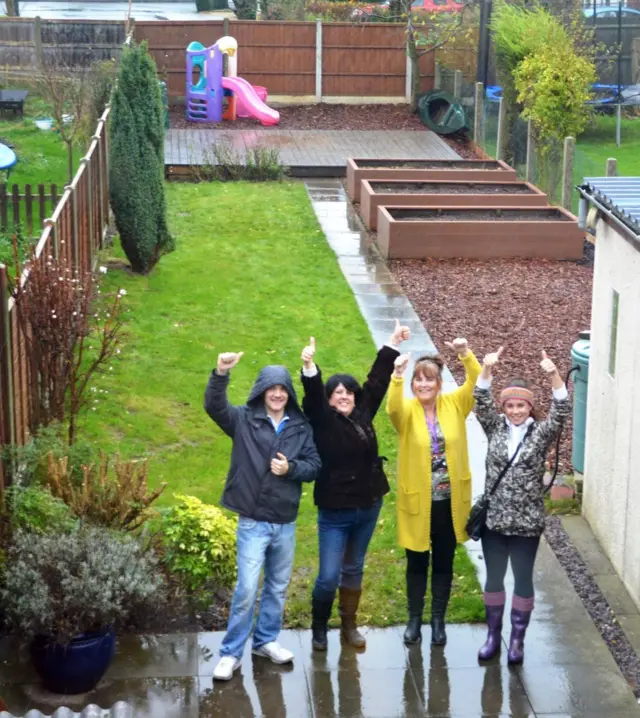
(523, 305)
(329, 117)
(595, 603)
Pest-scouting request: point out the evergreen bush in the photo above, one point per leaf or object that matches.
(136, 181)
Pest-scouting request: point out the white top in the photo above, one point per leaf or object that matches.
(516, 433)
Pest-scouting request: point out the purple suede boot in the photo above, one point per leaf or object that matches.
(521, 609)
(494, 607)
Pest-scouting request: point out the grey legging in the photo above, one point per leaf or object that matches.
(498, 549)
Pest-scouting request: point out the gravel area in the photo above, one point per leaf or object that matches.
(595, 603)
(525, 305)
(330, 117)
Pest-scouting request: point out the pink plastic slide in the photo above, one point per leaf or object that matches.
(251, 101)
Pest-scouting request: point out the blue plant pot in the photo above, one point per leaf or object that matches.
(74, 667)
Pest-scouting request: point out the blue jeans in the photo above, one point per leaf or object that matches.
(259, 544)
(344, 536)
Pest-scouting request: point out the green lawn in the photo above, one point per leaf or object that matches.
(598, 143)
(253, 273)
(42, 156)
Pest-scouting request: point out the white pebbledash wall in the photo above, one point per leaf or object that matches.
(611, 502)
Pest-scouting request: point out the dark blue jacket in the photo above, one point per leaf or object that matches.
(251, 489)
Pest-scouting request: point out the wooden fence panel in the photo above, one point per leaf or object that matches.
(74, 231)
(363, 60)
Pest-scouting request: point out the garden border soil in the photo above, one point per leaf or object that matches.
(403, 235)
(506, 194)
(461, 170)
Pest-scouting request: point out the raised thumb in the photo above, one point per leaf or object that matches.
(281, 457)
(544, 355)
(312, 342)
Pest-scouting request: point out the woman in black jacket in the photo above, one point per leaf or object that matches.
(349, 490)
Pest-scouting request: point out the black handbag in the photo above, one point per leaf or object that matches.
(477, 520)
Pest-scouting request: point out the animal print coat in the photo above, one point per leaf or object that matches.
(517, 507)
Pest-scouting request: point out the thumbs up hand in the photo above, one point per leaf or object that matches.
(400, 334)
(493, 358)
(308, 353)
(279, 465)
(547, 365)
(226, 361)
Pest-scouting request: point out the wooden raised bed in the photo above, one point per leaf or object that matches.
(478, 233)
(412, 193)
(456, 170)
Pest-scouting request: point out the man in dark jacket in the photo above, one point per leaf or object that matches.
(272, 454)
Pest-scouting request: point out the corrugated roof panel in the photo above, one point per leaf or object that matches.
(119, 710)
(619, 194)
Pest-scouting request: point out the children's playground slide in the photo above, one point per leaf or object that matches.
(254, 105)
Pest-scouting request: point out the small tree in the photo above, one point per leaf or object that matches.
(70, 334)
(68, 90)
(136, 181)
(428, 32)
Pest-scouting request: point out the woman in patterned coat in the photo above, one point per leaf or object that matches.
(516, 513)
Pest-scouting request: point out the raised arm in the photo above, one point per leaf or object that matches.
(485, 406)
(377, 383)
(560, 405)
(397, 404)
(216, 403)
(463, 396)
(314, 403)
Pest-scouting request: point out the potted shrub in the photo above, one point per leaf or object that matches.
(69, 593)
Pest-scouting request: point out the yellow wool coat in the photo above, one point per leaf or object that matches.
(413, 497)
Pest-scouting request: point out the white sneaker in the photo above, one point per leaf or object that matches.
(225, 668)
(274, 652)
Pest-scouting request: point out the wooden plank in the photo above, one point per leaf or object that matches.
(3, 207)
(15, 202)
(28, 203)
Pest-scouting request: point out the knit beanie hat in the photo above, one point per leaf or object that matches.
(516, 392)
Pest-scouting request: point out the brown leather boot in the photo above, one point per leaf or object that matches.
(348, 607)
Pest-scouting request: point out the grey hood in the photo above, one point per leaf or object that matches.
(270, 376)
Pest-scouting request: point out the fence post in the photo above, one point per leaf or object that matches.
(408, 79)
(318, 60)
(567, 172)
(612, 167)
(37, 41)
(86, 162)
(478, 137)
(7, 424)
(437, 79)
(530, 172)
(225, 57)
(501, 141)
(457, 83)
(74, 227)
(100, 186)
(6, 365)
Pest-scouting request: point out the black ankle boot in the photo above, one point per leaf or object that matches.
(440, 592)
(416, 589)
(320, 614)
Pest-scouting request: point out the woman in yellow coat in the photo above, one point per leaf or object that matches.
(434, 480)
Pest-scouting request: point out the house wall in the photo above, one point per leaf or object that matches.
(612, 454)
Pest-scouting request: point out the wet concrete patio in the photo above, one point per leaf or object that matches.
(568, 672)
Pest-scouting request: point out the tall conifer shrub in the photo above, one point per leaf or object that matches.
(136, 181)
